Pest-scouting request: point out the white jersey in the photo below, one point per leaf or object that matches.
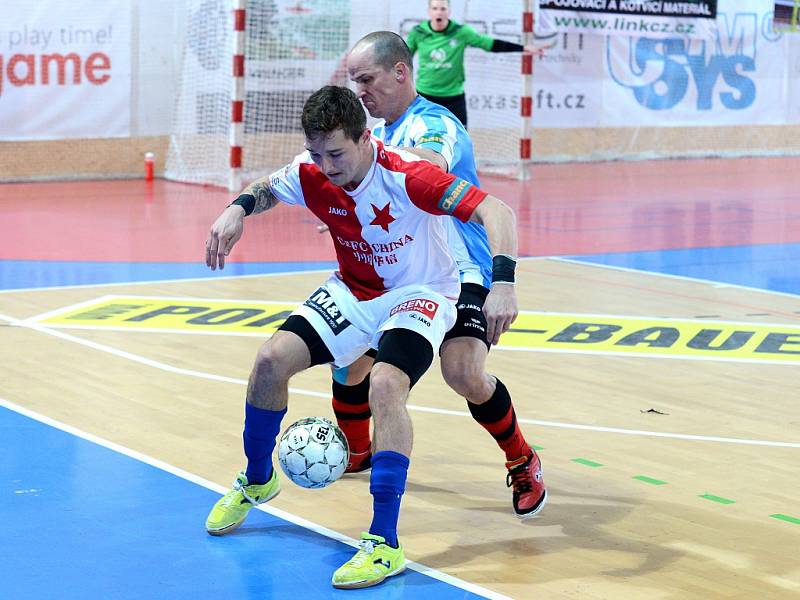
(386, 232)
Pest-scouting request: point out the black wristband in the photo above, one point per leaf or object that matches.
(247, 202)
(503, 269)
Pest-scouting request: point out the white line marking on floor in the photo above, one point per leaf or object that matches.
(192, 373)
(286, 516)
(714, 284)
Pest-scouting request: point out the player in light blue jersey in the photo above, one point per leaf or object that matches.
(380, 65)
(425, 124)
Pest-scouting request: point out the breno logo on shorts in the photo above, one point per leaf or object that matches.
(420, 305)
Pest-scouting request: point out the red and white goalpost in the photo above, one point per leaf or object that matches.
(247, 69)
(237, 95)
(526, 100)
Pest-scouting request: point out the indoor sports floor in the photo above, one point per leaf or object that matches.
(654, 364)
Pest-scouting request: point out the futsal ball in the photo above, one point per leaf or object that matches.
(313, 452)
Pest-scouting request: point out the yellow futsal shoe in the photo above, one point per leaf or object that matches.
(230, 510)
(374, 562)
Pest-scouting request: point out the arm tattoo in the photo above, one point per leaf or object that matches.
(265, 199)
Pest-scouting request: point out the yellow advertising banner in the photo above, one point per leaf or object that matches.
(535, 331)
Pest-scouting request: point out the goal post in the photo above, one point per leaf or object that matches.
(241, 92)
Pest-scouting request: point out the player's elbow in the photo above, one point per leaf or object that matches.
(440, 162)
(506, 212)
(494, 209)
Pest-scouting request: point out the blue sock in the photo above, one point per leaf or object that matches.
(261, 427)
(387, 484)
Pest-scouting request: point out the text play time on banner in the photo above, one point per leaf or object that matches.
(64, 72)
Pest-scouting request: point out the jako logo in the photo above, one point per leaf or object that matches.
(658, 71)
(333, 210)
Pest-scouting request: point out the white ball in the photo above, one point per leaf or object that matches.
(313, 452)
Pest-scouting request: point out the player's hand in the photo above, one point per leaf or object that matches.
(225, 232)
(500, 310)
(539, 50)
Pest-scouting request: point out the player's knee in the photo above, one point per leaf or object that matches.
(388, 389)
(466, 378)
(272, 364)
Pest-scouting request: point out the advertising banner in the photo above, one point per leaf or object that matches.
(653, 18)
(493, 83)
(288, 59)
(740, 76)
(65, 69)
(284, 45)
(568, 82)
(744, 74)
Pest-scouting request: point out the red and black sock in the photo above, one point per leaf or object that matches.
(351, 407)
(497, 416)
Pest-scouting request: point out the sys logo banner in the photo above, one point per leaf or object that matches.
(701, 74)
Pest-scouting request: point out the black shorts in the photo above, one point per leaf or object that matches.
(455, 104)
(470, 321)
(319, 352)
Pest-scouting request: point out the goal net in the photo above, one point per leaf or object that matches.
(294, 47)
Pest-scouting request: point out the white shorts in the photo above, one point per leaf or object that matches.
(349, 327)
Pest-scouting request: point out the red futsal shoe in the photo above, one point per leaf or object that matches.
(525, 477)
(360, 461)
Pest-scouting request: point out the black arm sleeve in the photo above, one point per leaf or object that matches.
(503, 46)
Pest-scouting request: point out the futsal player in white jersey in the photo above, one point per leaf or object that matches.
(394, 291)
(380, 66)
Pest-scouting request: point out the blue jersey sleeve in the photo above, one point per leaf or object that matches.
(435, 133)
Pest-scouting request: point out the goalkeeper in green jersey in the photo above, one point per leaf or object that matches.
(441, 43)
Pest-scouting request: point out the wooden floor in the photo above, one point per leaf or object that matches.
(678, 503)
(672, 468)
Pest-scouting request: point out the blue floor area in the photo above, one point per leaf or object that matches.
(24, 274)
(768, 267)
(83, 521)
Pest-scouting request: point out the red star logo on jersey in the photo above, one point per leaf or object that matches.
(382, 217)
